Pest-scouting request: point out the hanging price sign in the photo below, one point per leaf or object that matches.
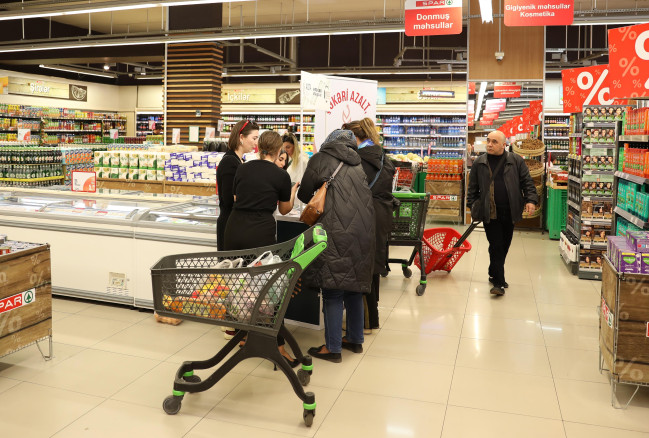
(433, 17)
(585, 86)
(629, 61)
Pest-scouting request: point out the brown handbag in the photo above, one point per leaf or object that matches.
(315, 208)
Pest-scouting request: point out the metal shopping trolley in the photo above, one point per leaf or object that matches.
(222, 288)
(408, 229)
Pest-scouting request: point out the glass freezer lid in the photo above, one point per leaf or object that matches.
(190, 213)
(97, 208)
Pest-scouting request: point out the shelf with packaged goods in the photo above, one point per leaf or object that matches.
(558, 150)
(572, 230)
(632, 178)
(574, 178)
(555, 138)
(599, 146)
(16, 130)
(596, 221)
(600, 124)
(50, 178)
(592, 246)
(598, 172)
(631, 218)
(411, 135)
(574, 205)
(635, 138)
(74, 131)
(590, 273)
(577, 135)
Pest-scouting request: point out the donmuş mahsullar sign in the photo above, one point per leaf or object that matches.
(539, 12)
(433, 17)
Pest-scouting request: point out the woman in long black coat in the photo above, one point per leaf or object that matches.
(380, 173)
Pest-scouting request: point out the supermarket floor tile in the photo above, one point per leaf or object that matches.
(35, 411)
(471, 423)
(503, 391)
(499, 356)
(157, 384)
(95, 372)
(114, 418)
(419, 381)
(366, 415)
(452, 363)
(28, 362)
(272, 404)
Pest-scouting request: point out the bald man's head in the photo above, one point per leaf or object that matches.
(496, 143)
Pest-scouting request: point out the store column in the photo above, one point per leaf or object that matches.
(193, 74)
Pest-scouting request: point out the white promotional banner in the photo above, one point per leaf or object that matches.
(351, 99)
(314, 91)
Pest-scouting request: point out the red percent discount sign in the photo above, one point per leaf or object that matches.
(629, 61)
(585, 86)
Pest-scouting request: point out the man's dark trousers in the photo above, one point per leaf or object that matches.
(499, 234)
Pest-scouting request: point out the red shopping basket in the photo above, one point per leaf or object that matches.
(438, 250)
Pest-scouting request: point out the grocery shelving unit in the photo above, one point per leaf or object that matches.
(592, 163)
(633, 141)
(556, 136)
(145, 121)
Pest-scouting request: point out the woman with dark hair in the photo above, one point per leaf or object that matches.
(380, 173)
(243, 139)
(260, 187)
(282, 159)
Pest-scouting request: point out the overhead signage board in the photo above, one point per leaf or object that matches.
(432, 92)
(507, 89)
(585, 86)
(539, 12)
(433, 17)
(629, 61)
(537, 110)
(495, 105)
(48, 89)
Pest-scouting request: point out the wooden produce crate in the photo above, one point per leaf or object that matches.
(25, 298)
(624, 325)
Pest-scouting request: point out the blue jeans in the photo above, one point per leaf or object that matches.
(332, 308)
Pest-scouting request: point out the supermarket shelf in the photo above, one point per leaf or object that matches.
(597, 198)
(631, 217)
(574, 178)
(598, 172)
(421, 124)
(578, 135)
(598, 124)
(640, 138)
(590, 274)
(558, 150)
(51, 178)
(599, 146)
(71, 130)
(596, 221)
(556, 125)
(31, 164)
(555, 138)
(451, 135)
(632, 178)
(574, 205)
(572, 230)
(19, 117)
(593, 246)
(410, 135)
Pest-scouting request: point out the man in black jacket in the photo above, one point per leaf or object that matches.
(500, 187)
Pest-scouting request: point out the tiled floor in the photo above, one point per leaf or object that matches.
(452, 363)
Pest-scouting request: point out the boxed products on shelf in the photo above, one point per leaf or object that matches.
(626, 256)
(636, 121)
(635, 160)
(192, 166)
(597, 209)
(130, 164)
(597, 185)
(599, 159)
(599, 136)
(603, 113)
(624, 225)
(632, 198)
(444, 169)
(591, 259)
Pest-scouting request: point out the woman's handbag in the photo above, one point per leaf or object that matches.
(315, 208)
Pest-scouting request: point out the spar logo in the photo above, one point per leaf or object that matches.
(18, 300)
(433, 3)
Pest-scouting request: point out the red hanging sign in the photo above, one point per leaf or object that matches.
(486, 122)
(495, 105)
(518, 125)
(433, 17)
(629, 61)
(539, 12)
(507, 89)
(527, 117)
(537, 109)
(585, 86)
(471, 87)
(490, 116)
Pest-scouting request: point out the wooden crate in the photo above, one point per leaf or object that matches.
(624, 324)
(26, 294)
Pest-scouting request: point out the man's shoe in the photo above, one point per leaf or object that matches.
(491, 280)
(331, 357)
(355, 348)
(498, 291)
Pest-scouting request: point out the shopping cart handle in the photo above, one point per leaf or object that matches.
(319, 245)
(466, 234)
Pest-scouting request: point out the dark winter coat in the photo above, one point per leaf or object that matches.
(519, 184)
(384, 202)
(347, 263)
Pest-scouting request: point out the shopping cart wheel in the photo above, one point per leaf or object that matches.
(308, 417)
(192, 379)
(421, 289)
(407, 272)
(304, 377)
(171, 405)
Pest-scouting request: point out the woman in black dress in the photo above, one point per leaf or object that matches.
(260, 187)
(243, 139)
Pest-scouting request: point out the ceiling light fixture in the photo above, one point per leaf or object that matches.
(483, 89)
(23, 10)
(149, 77)
(70, 69)
(106, 67)
(486, 12)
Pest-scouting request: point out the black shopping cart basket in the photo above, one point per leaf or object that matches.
(408, 230)
(222, 288)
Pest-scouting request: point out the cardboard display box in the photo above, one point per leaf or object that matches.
(628, 358)
(25, 298)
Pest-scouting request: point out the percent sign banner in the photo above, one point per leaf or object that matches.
(629, 61)
(585, 86)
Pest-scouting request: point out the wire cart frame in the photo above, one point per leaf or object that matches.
(408, 230)
(251, 299)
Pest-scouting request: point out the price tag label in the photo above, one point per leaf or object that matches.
(114, 134)
(24, 134)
